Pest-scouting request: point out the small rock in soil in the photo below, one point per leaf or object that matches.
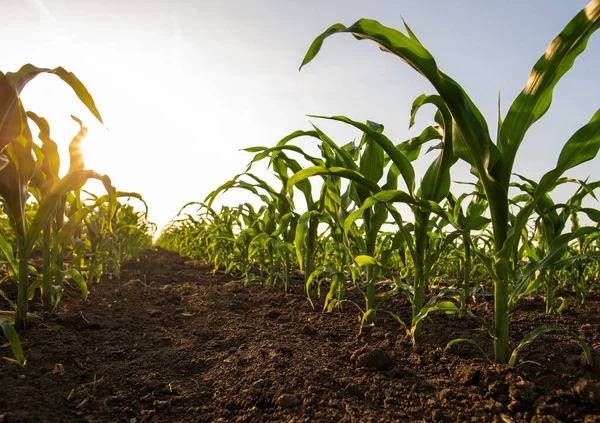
(375, 359)
(288, 401)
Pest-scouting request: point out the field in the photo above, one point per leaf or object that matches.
(189, 347)
(349, 289)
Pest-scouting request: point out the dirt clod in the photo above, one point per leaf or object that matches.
(289, 401)
(373, 359)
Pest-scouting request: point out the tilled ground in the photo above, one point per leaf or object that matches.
(182, 345)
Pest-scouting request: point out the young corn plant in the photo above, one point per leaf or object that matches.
(582, 263)
(374, 200)
(318, 210)
(330, 208)
(273, 230)
(107, 239)
(468, 220)
(44, 180)
(363, 177)
(553, 241)
(492, 163)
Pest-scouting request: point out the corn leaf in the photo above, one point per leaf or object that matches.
(15, 345)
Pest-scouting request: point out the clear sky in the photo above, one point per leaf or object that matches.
(183, 85)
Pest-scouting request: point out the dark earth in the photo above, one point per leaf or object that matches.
(180, 344)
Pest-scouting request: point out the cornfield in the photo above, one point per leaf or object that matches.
(348, 227)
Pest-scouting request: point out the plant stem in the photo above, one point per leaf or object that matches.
(498, 200)
(421, 224)
(311, 241)
(22, 301)
(467, 273)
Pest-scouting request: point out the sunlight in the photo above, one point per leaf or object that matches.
(592, 9)
(552, 48)
(96, 155)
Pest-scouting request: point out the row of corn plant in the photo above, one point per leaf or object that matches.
(492, 163)
(40, 209)
(522, 243)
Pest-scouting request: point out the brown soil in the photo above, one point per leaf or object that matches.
(188, 347)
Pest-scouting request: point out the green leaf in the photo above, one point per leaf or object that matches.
(365, 260)
(75, 152)
(309, 281)
(371, 163)
(470, 124)
(76, 276)
(401, 162)
(8, 255)
(412, 147)
(336, 171)
(556, 250)
(581, 147)
(50, 160)
(300, 238)
(15, 345)
(535, 99)
(16, 145)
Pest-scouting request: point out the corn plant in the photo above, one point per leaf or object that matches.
(273, 231)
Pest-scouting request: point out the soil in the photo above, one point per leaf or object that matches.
(183, 345)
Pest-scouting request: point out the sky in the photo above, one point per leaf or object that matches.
(184, 85)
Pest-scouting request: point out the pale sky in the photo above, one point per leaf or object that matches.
(184, 85)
